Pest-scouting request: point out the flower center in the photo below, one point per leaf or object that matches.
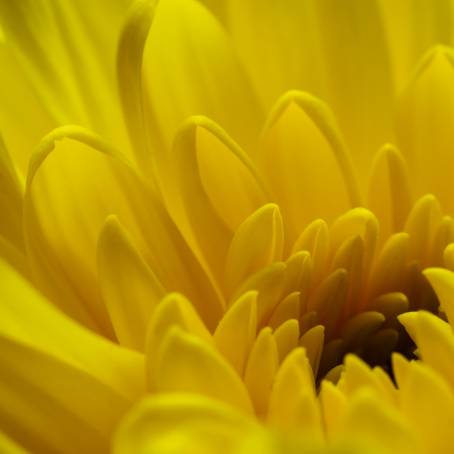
(356, 285)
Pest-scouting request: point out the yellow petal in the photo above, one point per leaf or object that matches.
(50, 73)
(91, 62)
(318, 182)
(333, 403)
(181, 424)
(288, 308)
(442, 282)
(279, 44)
(385, 380)
(355, 236)
(17, 91)
(443, 236)
(315, 239)
(9, 445)
(40, 393)
(28, 318)
(389, 268)
(433, 428)
(421, 226)
(292, 401)
(298, 273)
(412, 28)
(372, 420)
(173, 310)
(57, 46)
(359, 75)
(448, 257)
(10, 201)
(129, 72)
(356, 222)
(190, 68)
(312, 341)
(129, 288)
(286, 337)
(188, 364)
(218, 185)
(350, 257)
(258, 242)
(434, 340)
(261, 368)
(62, 221)
(269, 283)
(334, 374)
(400, 367)
(226, 173)
(389, 191)
(236, 331)
(66, 206)
(358, 376)
(424, 126)
(15, 258)
(329, 298)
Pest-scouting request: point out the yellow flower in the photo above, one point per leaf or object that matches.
(245, 245)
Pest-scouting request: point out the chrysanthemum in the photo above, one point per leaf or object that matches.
(245, 245)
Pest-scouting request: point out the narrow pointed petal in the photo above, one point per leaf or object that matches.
(413, 27)
(261, 369)
(389, 267)
(64, 180)
(288, 308)
(286, 337)
(357, 375)
(173, 310)
(330, 297)
(292, 401)
(218, 185)
(129, 74)
(184, 364)
(434, 340)
(312, 341)
(299, 180)
(443, 283)
(315, 239)
(389, 194)
(129, 288)
(236, 331)
(333, 403)
(401, 367)
(421, 225)
(379, 424)
(258, 242)
(269, 283)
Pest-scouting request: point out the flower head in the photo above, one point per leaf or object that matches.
(234, 232)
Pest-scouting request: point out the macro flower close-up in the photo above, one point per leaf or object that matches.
(227, 226)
